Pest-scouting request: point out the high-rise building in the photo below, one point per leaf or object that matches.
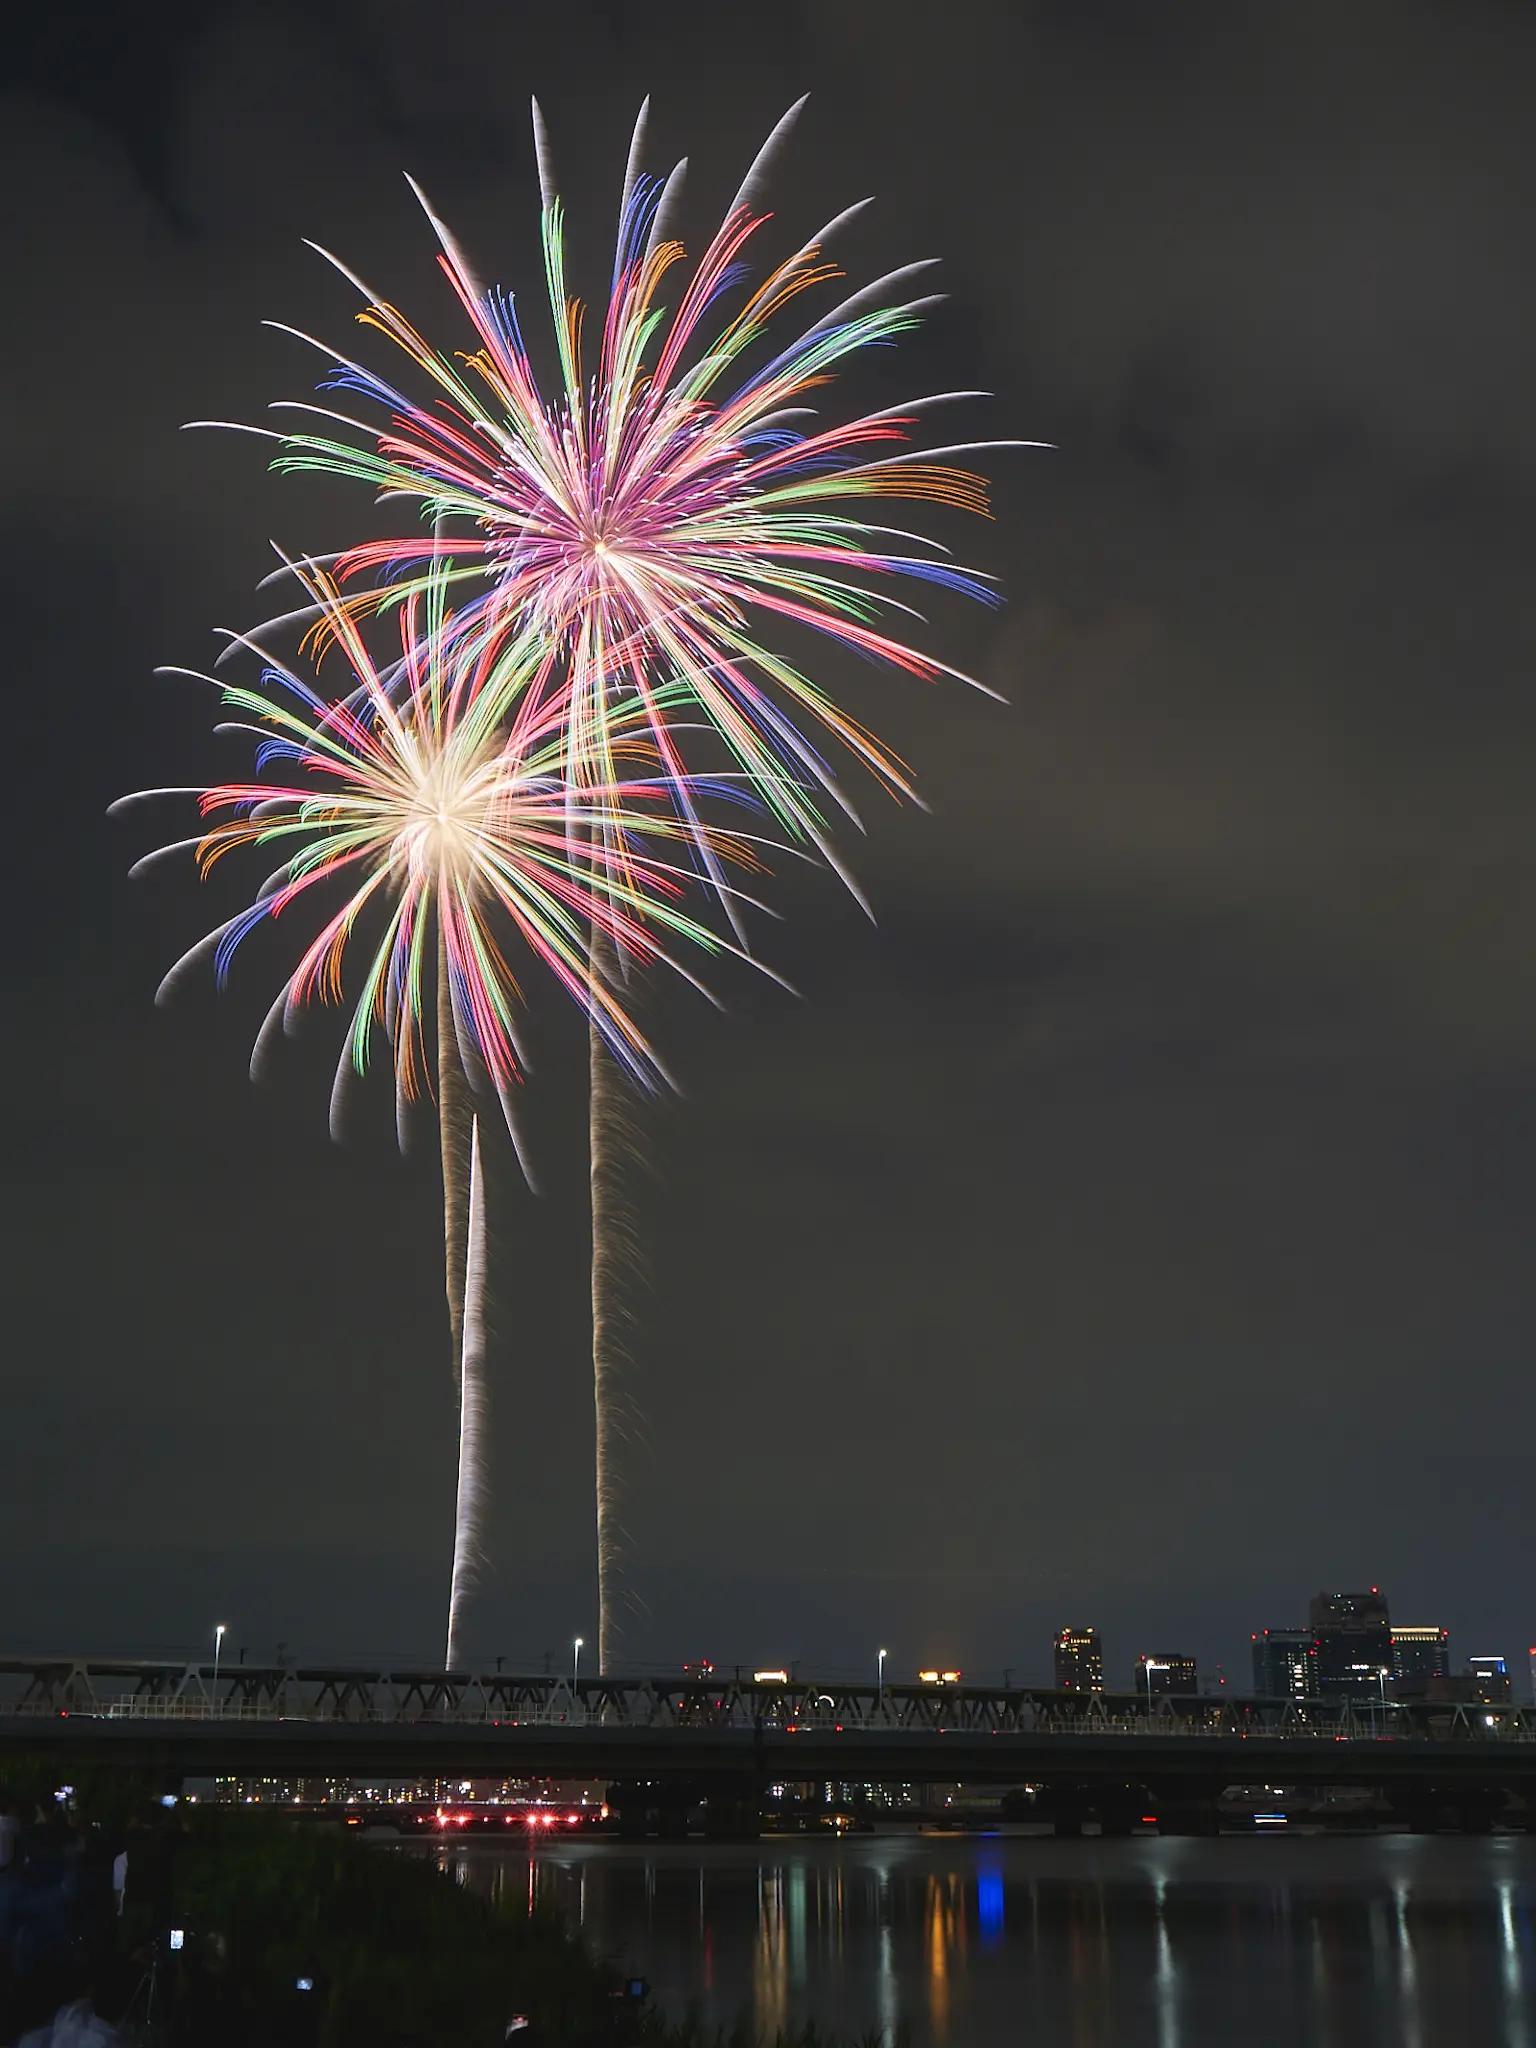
(1079, 1660)
(1166, 1671)
(1350, 1610)
(1354, 1642)
(1420, 1653)
(1490, 1679)
(1285, 1664)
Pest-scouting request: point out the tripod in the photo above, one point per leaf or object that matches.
(143, 2018)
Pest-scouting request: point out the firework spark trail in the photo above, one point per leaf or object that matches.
(615, 1150)
(455, 1121)
(440, 796)
(464, 1276)
(467, 1546)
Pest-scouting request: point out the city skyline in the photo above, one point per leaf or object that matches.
(1418, 1660)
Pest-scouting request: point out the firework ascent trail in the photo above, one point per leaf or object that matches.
(468, 1549)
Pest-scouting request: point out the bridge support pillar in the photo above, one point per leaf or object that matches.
(671, 1812)
(1476, 1810)
(1066, 1806)
(630, 1806)
(733, 1817)
(1120, 1807)
(1418, 1806)
(1441, 1809)
(1196, 1817)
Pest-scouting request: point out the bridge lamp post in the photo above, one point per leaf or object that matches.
(880, 1680)
(576, 1648)
(1149, 1666)
(218, 1649)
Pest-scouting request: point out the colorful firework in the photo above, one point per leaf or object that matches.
(639, 519)
(437, 793)
(441, 788)
(650, 519)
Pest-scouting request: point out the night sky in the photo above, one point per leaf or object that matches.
(1135, 1226)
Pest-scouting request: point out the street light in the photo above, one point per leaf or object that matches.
(218, 1647)
(576, 1659)
(880, 1680)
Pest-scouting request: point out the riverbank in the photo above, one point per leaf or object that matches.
(235, 1929)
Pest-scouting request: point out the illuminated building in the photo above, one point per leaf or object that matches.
(1166, 1671)
(1354, 1642)
(1419, 1653)
(1350, 1611)
(1490, 1679)
(1285, 1664)
(1079, 1660)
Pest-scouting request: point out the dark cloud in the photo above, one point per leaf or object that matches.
(1134, 1225)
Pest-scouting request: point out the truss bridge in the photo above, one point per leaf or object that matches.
(738, 1734)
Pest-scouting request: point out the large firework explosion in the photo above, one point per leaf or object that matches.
(643, 524)
(436, 794)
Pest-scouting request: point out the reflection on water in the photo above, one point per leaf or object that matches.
(975, 1942)
(1166, 1993)
(1407, 1975)
(1512, 1932)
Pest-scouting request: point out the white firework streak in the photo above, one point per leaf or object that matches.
(467, 1552)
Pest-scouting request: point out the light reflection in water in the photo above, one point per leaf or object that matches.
(1516, 2018)
(770, 1988)
(991, 1911)
(938, 1966)
(1087, 1944)
(1407, 1970)
(795, 1917)
(946, 1943)
(1319, 1976)
(1166, 1983)
(887, 1998)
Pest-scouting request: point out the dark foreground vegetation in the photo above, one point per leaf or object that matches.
(236, 1930)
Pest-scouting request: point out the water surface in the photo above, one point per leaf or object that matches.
(977, 1942)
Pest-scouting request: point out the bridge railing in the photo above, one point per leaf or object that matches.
(125, 1689)
(180, 1707)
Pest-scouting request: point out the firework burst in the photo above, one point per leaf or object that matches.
(436, 795)
(648, 517)
(656, 518)
(440, 787)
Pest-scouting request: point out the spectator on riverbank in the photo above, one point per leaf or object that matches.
(10, 1868)
(75, 2025)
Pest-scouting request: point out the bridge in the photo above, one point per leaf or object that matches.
(667, 1742)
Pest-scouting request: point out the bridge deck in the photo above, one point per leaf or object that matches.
(186, 1719)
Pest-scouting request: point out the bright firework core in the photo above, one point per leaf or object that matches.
(446, 816)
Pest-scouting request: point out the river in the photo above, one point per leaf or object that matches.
(981, 1941)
